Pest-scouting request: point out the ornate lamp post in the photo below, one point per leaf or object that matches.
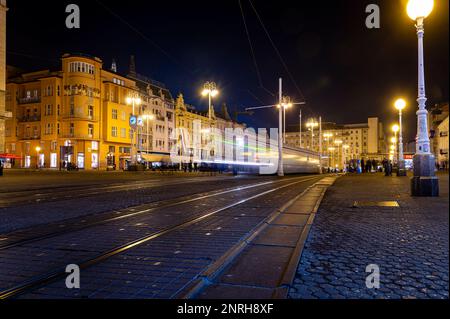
(400, 104)
(311, 125)
(38, 151)
(424, 182)
(133, 101)
(210, 90)
(394, 140)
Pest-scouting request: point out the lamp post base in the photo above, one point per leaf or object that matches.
(401, 171)
(424, 183)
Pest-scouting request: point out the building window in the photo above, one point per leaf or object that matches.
(114, 114)
(94, 145)
(114, 131)
(91, 130)
(91, 111)
(48, 129)
(53, 160)
(72, 129)
(81, 67)
(72, 106)
(123, 133)
(118, 82)
(124, 116)
(48, 110)
(58, 128)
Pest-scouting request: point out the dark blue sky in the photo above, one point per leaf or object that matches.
(345, 71)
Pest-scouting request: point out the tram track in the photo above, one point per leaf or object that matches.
(47, 277)
(81, 223)
(67, 192)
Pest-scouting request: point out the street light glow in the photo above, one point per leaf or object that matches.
(419, 8)
(395, 128)
(400, 104)
(393, 140)
(214, 93)
(38, 149)
(131, 100)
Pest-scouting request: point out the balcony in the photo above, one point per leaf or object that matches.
(79, 117)
(29, 137)
(29, 100)
(80, 136)
(29, 118)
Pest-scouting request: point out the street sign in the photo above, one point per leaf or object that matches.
(133, 121)
(140, 121)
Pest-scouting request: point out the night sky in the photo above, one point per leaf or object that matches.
(343, 70)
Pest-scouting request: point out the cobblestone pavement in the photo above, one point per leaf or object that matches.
(408, 243)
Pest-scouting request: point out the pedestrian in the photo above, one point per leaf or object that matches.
(1, 168)
(385, 164)
(363, 167)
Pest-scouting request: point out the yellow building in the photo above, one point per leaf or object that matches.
(77, 115)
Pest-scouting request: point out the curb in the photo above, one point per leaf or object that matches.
(212, 272)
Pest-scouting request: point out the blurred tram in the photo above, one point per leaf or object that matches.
(243, 155)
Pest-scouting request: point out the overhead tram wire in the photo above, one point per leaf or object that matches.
(252, 50)
(168, 55)
(280, 56)
(134, 29)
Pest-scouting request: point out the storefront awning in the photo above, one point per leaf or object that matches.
(10, 156)
(155, 158)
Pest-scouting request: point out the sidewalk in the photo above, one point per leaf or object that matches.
(409, 243)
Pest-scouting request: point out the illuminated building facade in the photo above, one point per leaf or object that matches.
(358, 141)
(79, 116)
(3, 114)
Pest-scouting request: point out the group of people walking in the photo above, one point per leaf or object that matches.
(388, 167)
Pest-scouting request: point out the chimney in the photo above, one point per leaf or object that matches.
(114, 66)
(132, 66)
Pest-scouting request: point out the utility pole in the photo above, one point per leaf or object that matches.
(280, 130)
(300, 128)
(320, 144)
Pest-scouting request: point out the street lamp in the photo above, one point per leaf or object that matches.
(339, 144)
(148, 118)
(400, 104)
(133, 101)
(344, 147)
(286, 104)
(311, 125)
(395, 129)
(210, 90)
(38, 150)
(424, 182)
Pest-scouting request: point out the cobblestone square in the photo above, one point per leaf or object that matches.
(408, 243)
